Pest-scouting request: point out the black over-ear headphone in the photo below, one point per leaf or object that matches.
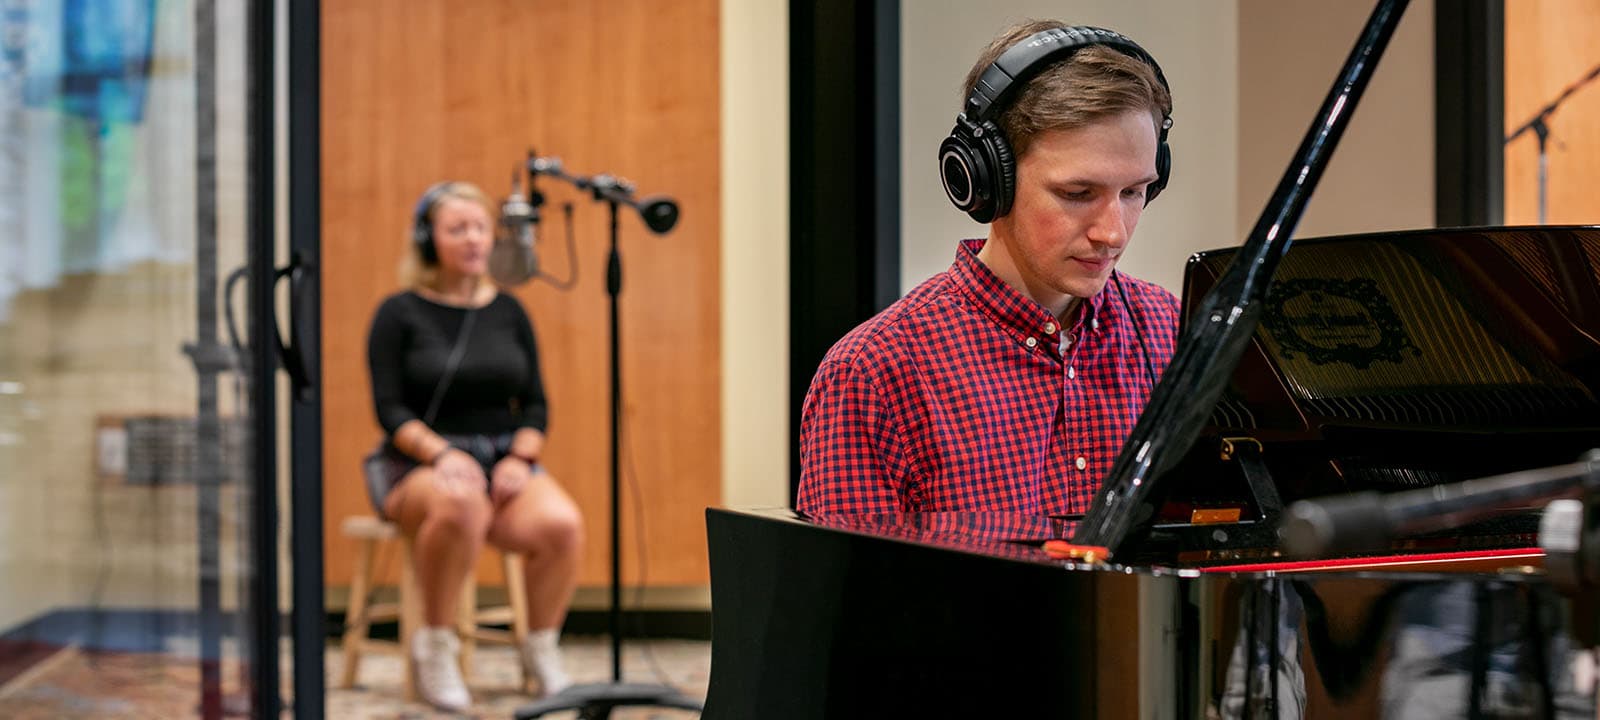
(975, 161)
(422, 225)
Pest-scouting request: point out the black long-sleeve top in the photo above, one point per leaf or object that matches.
(496, 388)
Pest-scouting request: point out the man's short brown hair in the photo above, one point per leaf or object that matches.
(1091, 84)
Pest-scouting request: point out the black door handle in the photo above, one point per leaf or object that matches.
(292, 354)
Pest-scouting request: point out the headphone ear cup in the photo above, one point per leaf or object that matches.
(1163, 172)
(978, 171)
(965, 174)
(1005, 165)
(422, 225)
(422, 235)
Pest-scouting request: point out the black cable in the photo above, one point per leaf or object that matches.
(638, 599)
(1138, 330)
(572, 256)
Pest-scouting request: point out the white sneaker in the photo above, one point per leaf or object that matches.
(435, 652)
(541, 659)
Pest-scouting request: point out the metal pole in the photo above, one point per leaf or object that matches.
(208, 456)
(613, 290)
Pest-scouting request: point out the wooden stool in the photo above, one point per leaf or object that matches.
(369, 532)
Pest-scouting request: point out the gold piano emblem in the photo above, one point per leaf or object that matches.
(1336, 320)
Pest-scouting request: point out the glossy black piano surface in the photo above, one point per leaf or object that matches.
(1381, 362)
(964, 616)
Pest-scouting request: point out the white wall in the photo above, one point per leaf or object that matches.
(755, 253)
(1381, 175)
(1197, 46)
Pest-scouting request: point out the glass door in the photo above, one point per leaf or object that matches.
(138, 472)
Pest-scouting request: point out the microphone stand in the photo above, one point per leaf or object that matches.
(595, 701)
(1541, 130)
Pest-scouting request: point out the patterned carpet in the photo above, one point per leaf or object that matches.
(74, 684)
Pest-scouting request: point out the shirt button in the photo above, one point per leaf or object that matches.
(1071, 372)
(1049, 328)
(1094, 324)
(1080, 463)
(1032, 341)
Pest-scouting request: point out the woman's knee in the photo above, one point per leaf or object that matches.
(469, 512)
(550, 531)
(562, 531)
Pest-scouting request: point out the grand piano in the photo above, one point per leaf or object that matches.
(1393, 363)
(1383, 362)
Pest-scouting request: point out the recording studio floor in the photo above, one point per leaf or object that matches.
(81, 684)
(684, 664)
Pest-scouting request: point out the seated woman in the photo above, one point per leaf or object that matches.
(455, 379)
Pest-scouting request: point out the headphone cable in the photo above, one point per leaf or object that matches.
(1138, 329)
(572, 257)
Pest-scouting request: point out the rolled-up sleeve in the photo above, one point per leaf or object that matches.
(852, 446)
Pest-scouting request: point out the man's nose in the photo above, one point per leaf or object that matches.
(1109, 225)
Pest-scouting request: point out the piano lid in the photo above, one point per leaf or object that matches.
(1387, 362)
(1486, 330)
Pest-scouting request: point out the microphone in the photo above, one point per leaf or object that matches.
(512, 260)
(1368, 521)
(660, 213)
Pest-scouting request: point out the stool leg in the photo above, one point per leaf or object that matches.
(410, 616)
(356, 622)
(467, 621)
(517, 589)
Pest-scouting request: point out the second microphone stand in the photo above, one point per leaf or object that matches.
(595, 701)
(1540, 127)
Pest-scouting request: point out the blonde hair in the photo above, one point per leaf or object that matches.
(414, 271)
(1091, 84)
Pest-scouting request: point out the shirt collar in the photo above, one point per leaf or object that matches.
(1007, 306)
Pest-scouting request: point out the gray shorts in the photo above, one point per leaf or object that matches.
(385, 468)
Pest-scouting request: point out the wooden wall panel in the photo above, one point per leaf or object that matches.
(1551, 44)
(425, 90)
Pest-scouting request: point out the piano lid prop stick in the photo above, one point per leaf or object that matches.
(1226, 320)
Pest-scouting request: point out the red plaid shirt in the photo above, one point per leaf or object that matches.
(966, 395)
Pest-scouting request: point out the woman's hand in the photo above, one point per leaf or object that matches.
(528, 445)
(510, 477)
(458, 473)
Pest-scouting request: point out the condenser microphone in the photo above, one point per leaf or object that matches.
(513, 261)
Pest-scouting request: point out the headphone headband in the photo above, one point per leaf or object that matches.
(428, 199)
(1012, 70)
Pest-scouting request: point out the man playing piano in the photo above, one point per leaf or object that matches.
(1009, 381)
